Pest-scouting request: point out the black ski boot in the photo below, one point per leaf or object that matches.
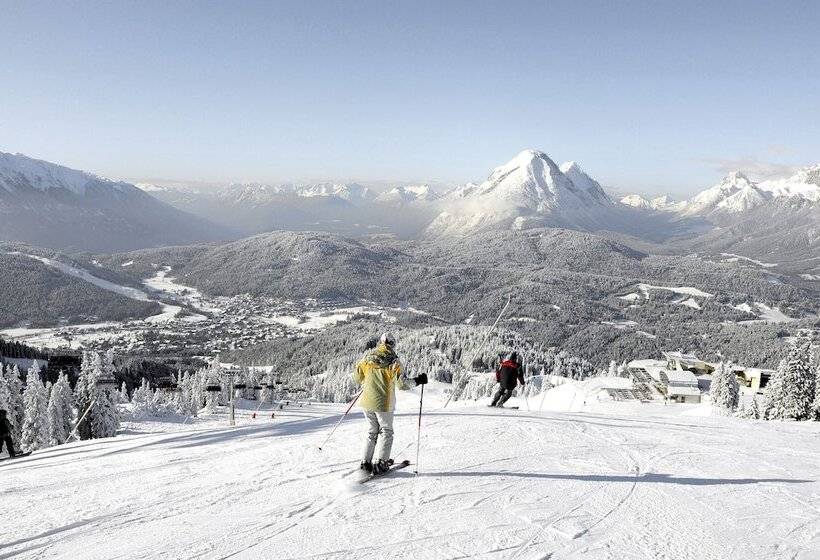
(382, 466)
(366, 466)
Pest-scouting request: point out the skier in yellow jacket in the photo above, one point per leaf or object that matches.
(379, 372)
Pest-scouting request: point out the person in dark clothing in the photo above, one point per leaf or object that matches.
(508, 375)
(5, 434)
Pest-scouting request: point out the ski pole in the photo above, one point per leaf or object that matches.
(480, 347)
(418, 437)
(359, 394)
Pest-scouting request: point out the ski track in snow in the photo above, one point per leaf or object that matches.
(646, 483)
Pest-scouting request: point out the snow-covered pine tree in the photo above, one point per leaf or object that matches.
(613, 369)
(105, 419)
(59, 427)
(197, 392)
(790, 393)
(725, 390)
(35, 420)
(5, 397)
(16, 409)
(122, 395)
(142, 398)
(184, 401)
(754, 409)
(67, 399)
(749, 409)
(84, 394)
(814, 364)
(213, 377)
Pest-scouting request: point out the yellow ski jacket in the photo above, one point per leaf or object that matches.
(379, 372)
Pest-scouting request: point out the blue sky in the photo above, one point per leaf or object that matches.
(647, 96)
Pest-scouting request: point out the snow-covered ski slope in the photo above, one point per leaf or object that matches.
(625, 482)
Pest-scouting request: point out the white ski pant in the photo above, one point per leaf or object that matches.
(380, 429)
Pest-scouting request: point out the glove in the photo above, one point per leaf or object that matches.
(421, 379)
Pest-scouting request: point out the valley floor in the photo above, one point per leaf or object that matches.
(642, 482)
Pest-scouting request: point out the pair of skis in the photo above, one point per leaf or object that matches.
(18, 456)
(393, 468)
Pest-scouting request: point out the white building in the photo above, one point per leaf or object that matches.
(676, 384)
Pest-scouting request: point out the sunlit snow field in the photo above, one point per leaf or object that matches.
(605, 480)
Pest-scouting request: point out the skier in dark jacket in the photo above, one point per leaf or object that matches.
(508, 375)
(5, 434)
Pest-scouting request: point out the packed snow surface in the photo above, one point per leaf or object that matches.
(605, 481)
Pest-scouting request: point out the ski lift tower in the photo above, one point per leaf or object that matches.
(230, 374)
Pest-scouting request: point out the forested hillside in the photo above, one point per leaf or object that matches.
(34, 294)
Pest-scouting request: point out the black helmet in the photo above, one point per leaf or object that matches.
(513, 356)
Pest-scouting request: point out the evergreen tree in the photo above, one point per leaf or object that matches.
(725, 390)
(816, 404)
(16, 409)
(105, 420)
(5, 391)
(213, 377)
(35, 420)
(66, 399)
(185, 395)
(122, 396)
(790, 393)
(197, 392)
(58, 426)
(754, 409)
(84, 394)
(142, 397)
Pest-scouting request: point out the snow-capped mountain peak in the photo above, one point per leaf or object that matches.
(663, 203)
(533, 181)
(530, 189)
(735, 193)
(20, 172)
(81, 211)
(584, 182)
(804, 184)
(408, 194)
(636, 201)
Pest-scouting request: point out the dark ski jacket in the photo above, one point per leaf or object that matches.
(509, 374)
(5, 427)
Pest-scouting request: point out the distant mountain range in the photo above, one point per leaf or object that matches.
(49, 205)
(346, 208)
(736, 194)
